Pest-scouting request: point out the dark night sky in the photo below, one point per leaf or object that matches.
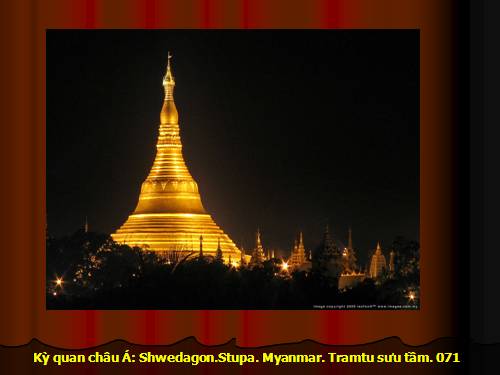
(285, 130)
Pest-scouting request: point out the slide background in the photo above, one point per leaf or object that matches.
(22, 188)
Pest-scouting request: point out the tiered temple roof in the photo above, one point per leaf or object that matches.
(170, 215)
(378, 263)
(298, 256)
(258, 256)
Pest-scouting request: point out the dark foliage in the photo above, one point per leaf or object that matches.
(98, 273)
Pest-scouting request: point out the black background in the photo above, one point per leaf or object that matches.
(282, 130)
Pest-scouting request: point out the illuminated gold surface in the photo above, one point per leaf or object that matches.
(378, 263)
(298, 256)
(258, 252)
(170, 215)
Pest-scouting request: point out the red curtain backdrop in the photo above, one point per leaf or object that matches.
(22, 167)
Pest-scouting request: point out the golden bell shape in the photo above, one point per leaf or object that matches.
(170, 215)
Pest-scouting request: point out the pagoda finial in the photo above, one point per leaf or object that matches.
(169, 113)
(258, 237)
(169, 208)
(86, 225)
(168, 79)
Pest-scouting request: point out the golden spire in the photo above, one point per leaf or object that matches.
(298, 256)
(169, 113)
(258, 255)
(170, 212)
(168, 80)
(169, 163)
(378, 262)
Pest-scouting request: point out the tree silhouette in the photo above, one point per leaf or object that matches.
(97, 273)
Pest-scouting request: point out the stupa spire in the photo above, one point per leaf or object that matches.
(170, 210)
(169, 114)
(168, 80)
(378, 262)
(298, 256)
(258, 253)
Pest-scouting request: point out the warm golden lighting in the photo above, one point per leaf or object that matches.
(411, 296)
(234, 264)
(284, 266)
(58, 281)
(298, 256)
(169, 213)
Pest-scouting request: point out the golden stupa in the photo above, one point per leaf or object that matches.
(169, 215)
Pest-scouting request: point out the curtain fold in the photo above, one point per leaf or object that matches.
(22, 171)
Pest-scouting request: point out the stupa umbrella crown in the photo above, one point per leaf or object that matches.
(169, 212)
